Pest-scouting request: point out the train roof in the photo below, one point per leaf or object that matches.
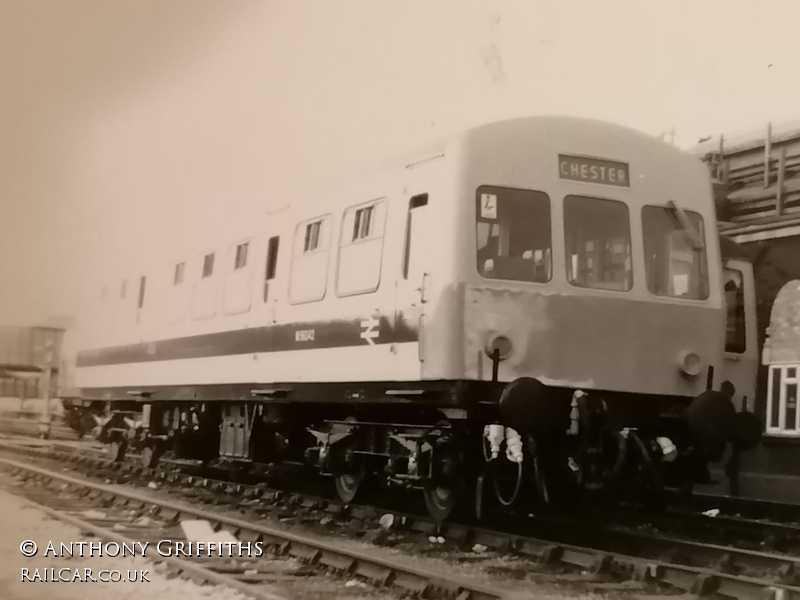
(580, 127)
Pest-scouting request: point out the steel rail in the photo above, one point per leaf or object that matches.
(182, 565)
(652, 545)
(647, 562)
(409, 578)
(750, 507)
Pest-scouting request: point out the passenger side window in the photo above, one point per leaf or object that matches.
(312, 236)
(362, 223)
(361, 249)
(309, 276)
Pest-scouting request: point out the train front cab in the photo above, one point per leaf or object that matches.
(591, 291)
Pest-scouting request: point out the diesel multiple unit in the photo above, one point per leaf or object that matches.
(535, 307)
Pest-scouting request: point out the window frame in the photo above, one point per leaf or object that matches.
(567, 259)
(477, 219)
(706, 268)
(780, 430)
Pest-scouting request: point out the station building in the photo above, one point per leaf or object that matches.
(30, 358)
(756, 181)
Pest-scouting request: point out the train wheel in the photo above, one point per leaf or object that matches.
(116, 450)
(440, 500)
(347, 485)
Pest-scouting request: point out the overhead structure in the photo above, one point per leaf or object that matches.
(25, 354)
(756, 181)
(15, 371)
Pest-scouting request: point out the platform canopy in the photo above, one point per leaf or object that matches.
(14, 371)
(783, 334)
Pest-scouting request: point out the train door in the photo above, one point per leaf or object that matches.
(409, 310)
(741, 343)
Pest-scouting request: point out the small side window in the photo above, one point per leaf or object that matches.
(240, 261)
(312, 236)
(362, 222)
(272, 263)
(208, 265)
(142, 282)
(177, 277)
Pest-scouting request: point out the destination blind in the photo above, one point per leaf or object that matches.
(593, 170)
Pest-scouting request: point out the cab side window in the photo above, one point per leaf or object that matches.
(735, 340)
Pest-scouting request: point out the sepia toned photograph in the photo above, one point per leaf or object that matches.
(372, 300)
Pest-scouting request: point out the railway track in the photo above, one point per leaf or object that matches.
(255, 577)
(622, 552)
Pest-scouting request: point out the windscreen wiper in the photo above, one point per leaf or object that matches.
(695, 239)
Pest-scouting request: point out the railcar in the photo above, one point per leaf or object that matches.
(533, 308)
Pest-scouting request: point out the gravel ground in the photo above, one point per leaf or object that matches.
(516, 577)
(20, 521)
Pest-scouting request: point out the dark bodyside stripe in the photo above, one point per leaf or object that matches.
(271, 338)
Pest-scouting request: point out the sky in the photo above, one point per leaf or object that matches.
(131, 128)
